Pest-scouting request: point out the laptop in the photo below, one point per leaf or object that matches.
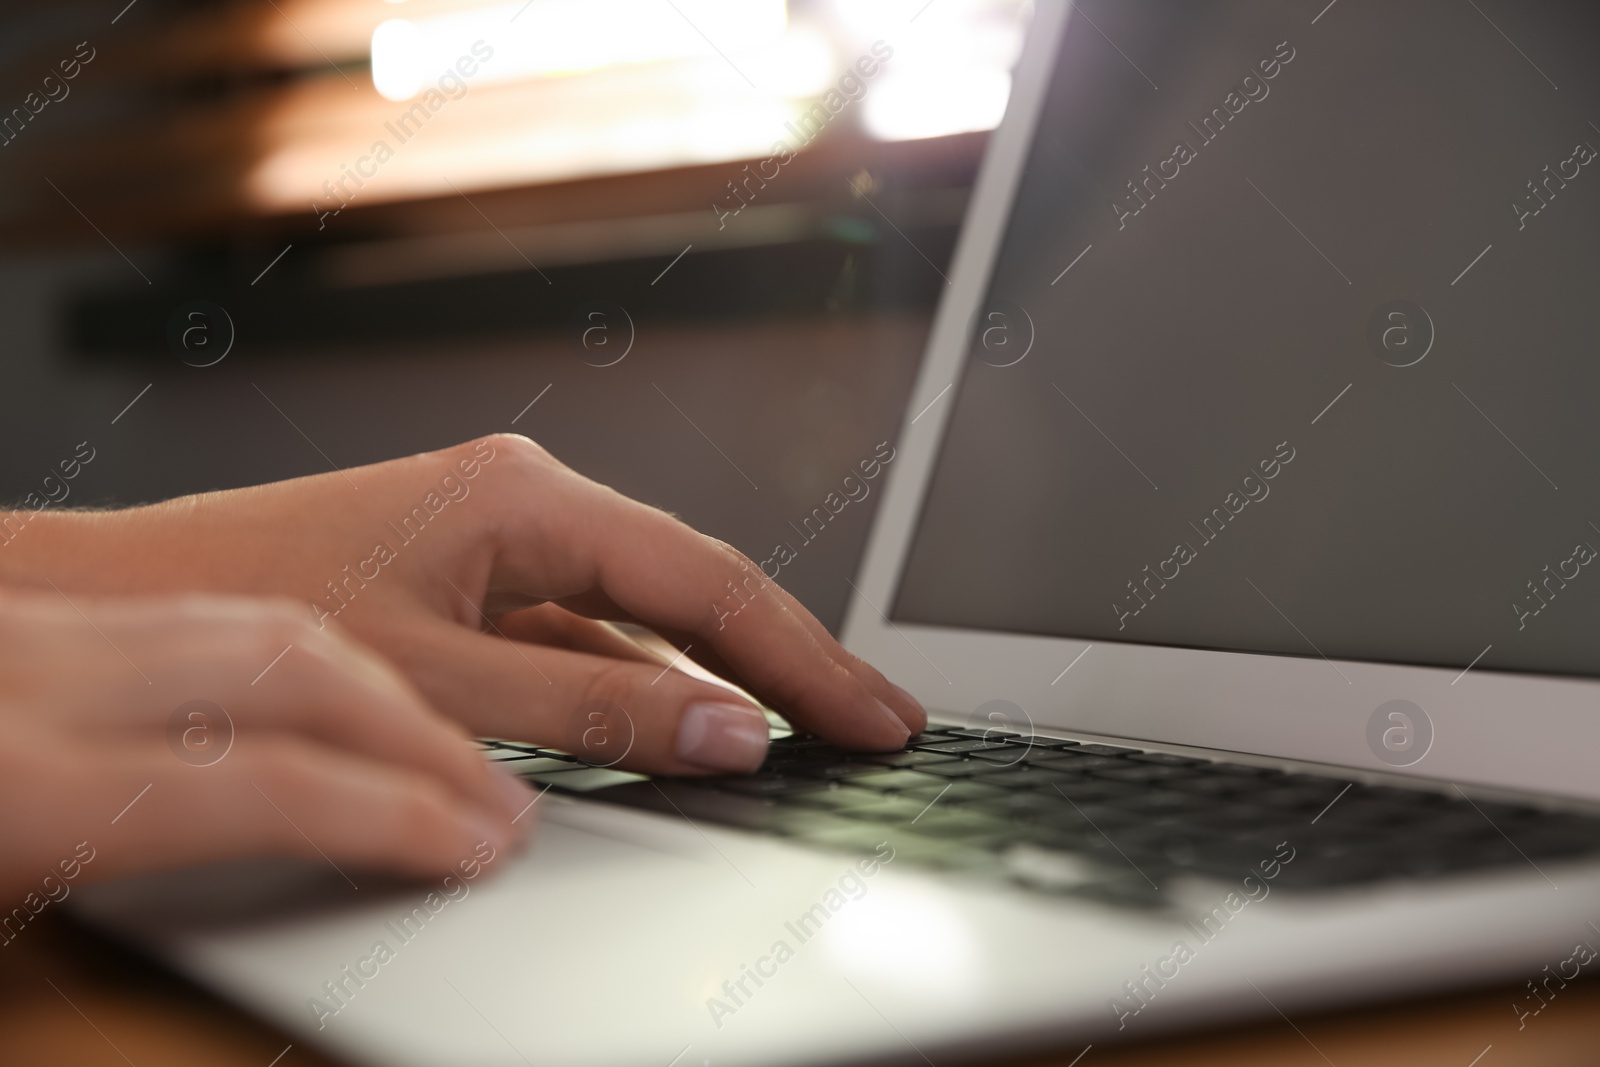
(1237, 534)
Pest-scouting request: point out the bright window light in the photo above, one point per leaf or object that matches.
(906, 107)
(802, 63)
(518, 92)
(951, 67)
(554, 37)
(399, 59)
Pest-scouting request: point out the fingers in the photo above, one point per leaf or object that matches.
(268, 669)
(658, 571)
(556, 627)
(308, 744)
(738, 592)
(624, 713)
(553, 625)
(902, 703)
(283, 796)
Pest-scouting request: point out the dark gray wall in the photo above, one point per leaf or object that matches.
(796, 403)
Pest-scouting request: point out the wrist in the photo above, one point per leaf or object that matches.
(89, 550)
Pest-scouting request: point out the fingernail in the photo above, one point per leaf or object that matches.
(901, 729)
(515, 793)
(722, 737)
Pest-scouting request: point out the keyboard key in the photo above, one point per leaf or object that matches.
(1243, 769)
(964, 825)
(908, 759)
(892, 780)
(1105, 818)
(769, 787)
(812, 754)
(1007, 755)
(1073, 761)
(955, 747)
(1025, 776)
(1506, 814)
(1106, 750)
(830, 798)
(1016, 753)
(1156, 800)
(799, 742)
(957, 768)
(1028, 806)
(1235, 818)
(1303, 798)
(1142, 772)
(1093, 790)
(1387, 794)
(1543, 843)
(1323, 781)
(848, 769)
(1046, 742)
(1454, 821)
(1168, 760)
(958, 791)
(1231, 860)
(887, 808)
(1211, 785)
(984, 735)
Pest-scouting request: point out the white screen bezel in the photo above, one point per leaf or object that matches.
(1520, 731)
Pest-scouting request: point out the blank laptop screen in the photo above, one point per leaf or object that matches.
(1292, 344)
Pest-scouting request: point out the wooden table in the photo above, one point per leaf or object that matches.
(68, 998)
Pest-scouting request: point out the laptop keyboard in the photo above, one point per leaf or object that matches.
(1104, 821)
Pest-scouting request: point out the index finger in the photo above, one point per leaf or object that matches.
(660, 572)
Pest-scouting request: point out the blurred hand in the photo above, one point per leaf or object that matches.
(328, 752)
(480, 571)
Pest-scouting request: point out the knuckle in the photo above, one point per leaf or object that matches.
(740, 573)
(206, 608)
(614, 683)
(725, 561)
(741, 565)
(669, 530)
(263, 618)
(286, 610)
(513, 446)
(602, 726)
(277, 630)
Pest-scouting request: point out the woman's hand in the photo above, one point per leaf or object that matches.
(479, 570)
(165, 733)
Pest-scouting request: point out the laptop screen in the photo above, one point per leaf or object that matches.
(1292, 344)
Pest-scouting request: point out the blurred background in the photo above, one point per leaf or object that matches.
(691, 246)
